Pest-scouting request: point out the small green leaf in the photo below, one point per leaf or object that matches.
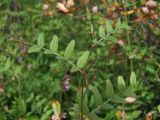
(31, 118)
(7, 64)
(133, 79)
(109, 89)
(107, 106)
(69, 50)
(30, 98)
(136, 114)
(54, 44)
(46, 115)
(97, 95)
(34, 48)
(128, 92)
(41, 40)
(95, 40)
(82, 61)
(117, 99)
(101, 32)
(85, 105)
(150, 68)
(121, 84)
(48, 52)
(74, 69)
(125, 26)
(118, 24)
(21, 106)
(158, 108)
(112, 38)
(109, 26)
(93, 116)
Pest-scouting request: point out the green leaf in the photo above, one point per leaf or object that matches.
(46, 115)
(129, 92)
(74, 69)
(109, 89)
(101, 32)
(118, 24)
(54, 44)
(21, 106)
(82, 61)
(95, 117)
(109, 26)
(158, 108)
(30, 98)
(136, 114)
(112, 38)
(117, 99)
(125, 26)
(7, 64)
(133, 79)
(34, 48)
(107, 106)
(32, 118)
(41, 40)
(121, 84)
(69, 50)
(150, 68)
(85, 105)
(97, 95)
(48, 52)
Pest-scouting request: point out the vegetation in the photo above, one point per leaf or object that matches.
(79, 60)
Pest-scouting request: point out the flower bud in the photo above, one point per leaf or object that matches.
(95, 9)
(145, 10)
(45, 6)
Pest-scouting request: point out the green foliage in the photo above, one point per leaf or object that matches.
(109, 89)
(77, 57)
(82, 61)
(34, 48)
(109, 26)
(101, 32)
(40, 40)
(54, 44)
(121, 83)
(69, 50)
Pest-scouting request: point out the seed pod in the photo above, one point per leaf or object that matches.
(69, 50)
(54, 44)
(82, 61)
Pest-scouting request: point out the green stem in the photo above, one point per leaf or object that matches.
(60, 56)
(19, 88)
(128, 39)
(82, 92)
(81, 116)
(129, 44)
